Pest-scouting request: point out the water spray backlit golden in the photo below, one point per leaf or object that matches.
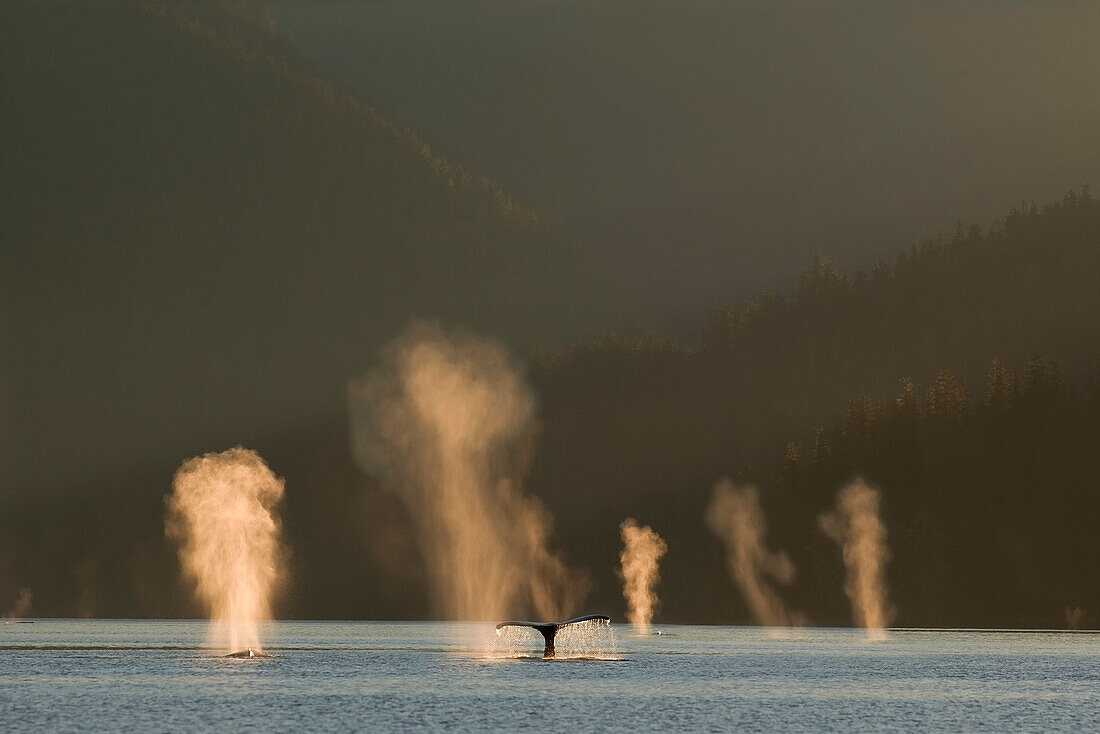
(856, 526)
(445, 422)
(222, 512)
(22, 605)
(735, 516)
(639, 570)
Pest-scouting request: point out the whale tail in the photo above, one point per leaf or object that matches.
(549, 630)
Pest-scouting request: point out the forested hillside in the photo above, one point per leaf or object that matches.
(204, 240)
(185, 199)
(645, 426)
(991, 498)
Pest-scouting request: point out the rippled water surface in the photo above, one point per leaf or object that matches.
(62, 675)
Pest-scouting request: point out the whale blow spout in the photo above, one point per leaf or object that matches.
(549, 630)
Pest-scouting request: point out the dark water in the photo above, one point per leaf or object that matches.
(61, 675)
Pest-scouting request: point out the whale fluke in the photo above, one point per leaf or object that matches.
(549, 630)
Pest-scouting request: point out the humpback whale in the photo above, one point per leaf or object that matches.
(248, 653)
(549, 630)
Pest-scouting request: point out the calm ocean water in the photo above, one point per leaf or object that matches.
(65, 675)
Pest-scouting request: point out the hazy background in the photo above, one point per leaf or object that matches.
(707, 150)
(216, 213)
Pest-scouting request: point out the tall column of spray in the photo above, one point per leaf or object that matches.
(445, 422)
(638, 568)
(856, 526)
(222, 514)
(735, 516)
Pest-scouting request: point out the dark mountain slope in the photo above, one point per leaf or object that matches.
(202, 239)
(645, 427)
(711, 148)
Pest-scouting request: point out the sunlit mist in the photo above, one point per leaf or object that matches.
(735, 516)
(856, 526)
(21, 607)
(222, 512)
(639, 570)
(445, 422)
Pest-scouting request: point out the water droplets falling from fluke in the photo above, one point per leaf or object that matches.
(590, 640)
